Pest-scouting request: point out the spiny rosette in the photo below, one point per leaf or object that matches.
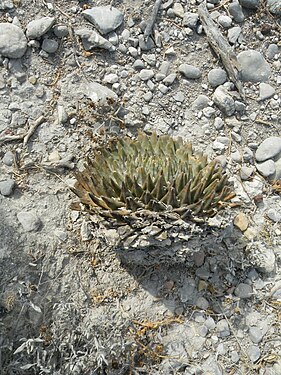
(151, 173)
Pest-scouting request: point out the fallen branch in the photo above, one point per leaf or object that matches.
(152, 19)
(221, 47)
(25, 136)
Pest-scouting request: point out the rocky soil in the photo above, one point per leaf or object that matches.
(72, 75)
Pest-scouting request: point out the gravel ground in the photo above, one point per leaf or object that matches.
(72, 75)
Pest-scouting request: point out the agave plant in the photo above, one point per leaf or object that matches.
(154, 173)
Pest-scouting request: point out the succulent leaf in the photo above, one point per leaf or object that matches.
(156, 173)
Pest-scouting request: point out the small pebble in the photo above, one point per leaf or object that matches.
(50, 45)
(29, 221)
(268, 149)
(8, 158)
(190, 71)
(7, 187)
(243, 290)
(146, 74)
(267, 168)
(254, 353)
(223, 328)
(217, 77)
(266, 91)
(241, 221)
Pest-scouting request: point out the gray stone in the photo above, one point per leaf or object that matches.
(246, 172)
(138, 64)
(50, 45)
(224, 101)
(264, 259)
(190, 71)
(113, 38)
(254, 353)
(209, 112)
(170, 79)
(243, 290)
(100, 94)
(133, 52)
(271, 51)
(256, 334)
(210, 323)
(267, 168)
(148, 96)
(254, 68)
(179, 96)
(60, 31)
(164, 68)
(236, 11)
(91, 39)
(146, 74)
(277, 175)
(225, 21)
(13, 42)
(274, 6)
(217, 77)
(8, 158)
(104, 18)
(202, 101)
(6, 4)
(202, 303)
(223, 328)
(146, 45)
(190, 20)
(233, 34)
(274, 215)
(268, 149)
(110, 78)
(29, 221)
(178, 10)
(266, 91)
(163, 88)
(7, 187)
(36, 28)
(250, 4)
(62, 114)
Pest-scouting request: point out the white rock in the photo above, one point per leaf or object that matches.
(91, 39)
(266, 91)
(13, 42)
(104, 18)
(29, 221)
(224, 101)
(36, 28)
(100, 94)
(267, 168)
(268, 149)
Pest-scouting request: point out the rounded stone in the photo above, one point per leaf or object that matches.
(267, 168)
(250, 4)
(60, 31)
(190, 71)
(254, 67)
(268, 149)
(236, 11)
(243, 290)
(8, 158)
(29, 221)
(50, 45)
(13, 42)
(217, 77)
(225, 21)
(36, 28)
(7, 187)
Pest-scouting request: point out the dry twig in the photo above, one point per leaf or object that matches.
(152, 19)
(26, 136)
(221, 47)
